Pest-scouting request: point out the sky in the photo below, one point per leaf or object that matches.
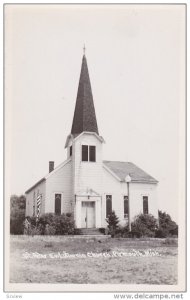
(136, 62)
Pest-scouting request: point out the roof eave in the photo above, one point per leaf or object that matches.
(32, 187)
(48, 175)
(142, 181)
(58, 167)
(71, 136)
(111, 172)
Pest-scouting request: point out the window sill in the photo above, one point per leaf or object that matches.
(88, 161)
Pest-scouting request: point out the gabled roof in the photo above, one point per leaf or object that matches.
(76, 136)
(122, 169)
(117, 168)
(84, 116)
(48, 175)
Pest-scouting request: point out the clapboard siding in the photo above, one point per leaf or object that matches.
(87, 174)
(75, 177)
(137, 191)
(59, 182)
(111, 186)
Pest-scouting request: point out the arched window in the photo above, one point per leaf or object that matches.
(108, 205)
(57, 204)
(126, 206)
(145, 205)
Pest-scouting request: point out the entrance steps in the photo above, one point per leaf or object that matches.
(91, 231)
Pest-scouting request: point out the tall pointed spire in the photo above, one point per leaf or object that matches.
(84, 116)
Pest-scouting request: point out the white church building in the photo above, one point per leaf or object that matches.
(86, 185)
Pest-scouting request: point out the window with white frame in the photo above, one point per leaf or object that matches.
(88, 153)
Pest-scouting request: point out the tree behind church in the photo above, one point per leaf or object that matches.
(17, 214)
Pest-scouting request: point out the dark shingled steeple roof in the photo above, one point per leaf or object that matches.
(84, 117)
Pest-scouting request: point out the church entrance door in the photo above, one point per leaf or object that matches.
(88, 214)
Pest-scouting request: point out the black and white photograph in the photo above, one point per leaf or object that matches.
(95, 100)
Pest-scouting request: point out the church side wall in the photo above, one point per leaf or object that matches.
(137, 191)
(59, 182)
(111, 186)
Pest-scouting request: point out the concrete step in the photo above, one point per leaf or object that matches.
(90, 231)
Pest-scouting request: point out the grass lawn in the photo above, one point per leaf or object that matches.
(117, 261)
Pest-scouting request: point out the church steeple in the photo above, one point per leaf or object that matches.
(84, 116)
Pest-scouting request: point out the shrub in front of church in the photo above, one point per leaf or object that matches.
(30, 226)
(46, 223)
(145, 225)
(49, 230)
(167, 227)
(122, 231)
(113, 222)
(50, 224)
(77, 231)
(64, 225)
